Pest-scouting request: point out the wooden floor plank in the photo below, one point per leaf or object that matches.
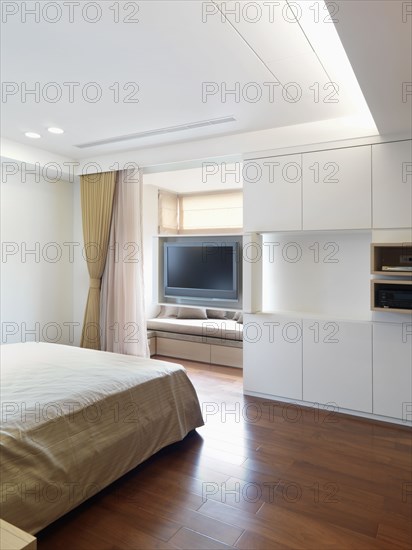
(258, 475)
(395, 531)
(190, 540)
(191, 519)
(250, 539)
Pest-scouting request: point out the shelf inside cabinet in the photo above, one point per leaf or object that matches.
(392, 259)
(390, 295)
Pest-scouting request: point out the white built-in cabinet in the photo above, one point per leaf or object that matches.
(392, 370)
(315, 360)
(392, 184)
(337, 189)
(347, 188)
(272, 194)
(272, 347)
(355, 364)
(343, 365)
(337, 359)
(314, 191)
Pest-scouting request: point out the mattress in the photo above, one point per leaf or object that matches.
(208, 328)
(74, 420)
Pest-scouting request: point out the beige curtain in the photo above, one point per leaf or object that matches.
(122, 313)
(97, 192)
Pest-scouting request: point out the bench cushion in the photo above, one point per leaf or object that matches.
(210, 328)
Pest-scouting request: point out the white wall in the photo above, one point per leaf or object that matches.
(36, 288)
(150, 229)
(79, 266)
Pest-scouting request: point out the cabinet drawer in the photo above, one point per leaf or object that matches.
(193, 351)
(228, 356)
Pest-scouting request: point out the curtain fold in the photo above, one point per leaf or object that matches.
(122, 313)
(97, 192)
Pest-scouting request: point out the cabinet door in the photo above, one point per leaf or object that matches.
(392, 184)
(337, 364)
(392, 370)
(272, 356)
(337, 189)
(272, 194)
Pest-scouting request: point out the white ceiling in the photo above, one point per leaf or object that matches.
(170, 53)
(210, 176)
(377, 37)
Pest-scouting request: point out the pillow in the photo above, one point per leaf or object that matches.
(240, 318)
(216, 314)
(236, 315)
(230, 315)
(192, 313)
(167, 312)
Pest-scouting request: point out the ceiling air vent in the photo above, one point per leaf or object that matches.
(158, 132)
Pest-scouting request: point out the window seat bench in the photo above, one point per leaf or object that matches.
(213, 341)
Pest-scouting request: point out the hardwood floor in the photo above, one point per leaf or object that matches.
(258, 475)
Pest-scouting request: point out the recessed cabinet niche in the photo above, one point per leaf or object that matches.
(392, 260)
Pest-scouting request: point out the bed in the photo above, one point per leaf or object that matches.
(74, 420)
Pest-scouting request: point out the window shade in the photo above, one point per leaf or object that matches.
(212, 211)
(168, 213)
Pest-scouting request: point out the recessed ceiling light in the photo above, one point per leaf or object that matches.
(55, 130)
(32, 135)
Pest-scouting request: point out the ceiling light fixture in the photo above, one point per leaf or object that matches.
(55, 130)
(32, 135)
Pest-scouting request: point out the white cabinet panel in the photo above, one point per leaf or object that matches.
(392, 184)
(272, 194)
(337, 189)
(272, 356)
(337, 358)
(392, 370)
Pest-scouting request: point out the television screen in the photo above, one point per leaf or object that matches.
(201, 270)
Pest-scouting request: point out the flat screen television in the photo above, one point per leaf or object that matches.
(201, 270)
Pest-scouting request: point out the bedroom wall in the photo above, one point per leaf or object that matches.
(79, 268)
(150, 227)
(36, 281)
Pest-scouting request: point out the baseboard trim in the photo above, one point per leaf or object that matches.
(339, 410)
